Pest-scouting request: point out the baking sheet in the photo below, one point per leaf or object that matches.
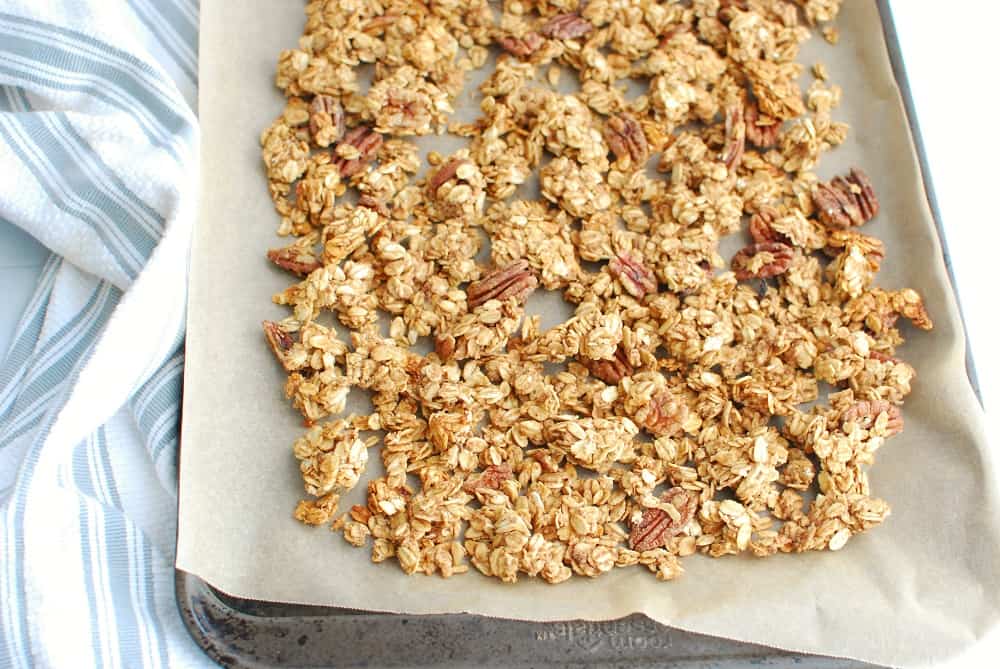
(919, 588)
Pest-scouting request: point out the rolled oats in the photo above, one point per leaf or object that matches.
(640, 429)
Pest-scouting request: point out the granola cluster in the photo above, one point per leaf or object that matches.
(689, 403)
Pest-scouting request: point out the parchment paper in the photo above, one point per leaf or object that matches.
(919, 588)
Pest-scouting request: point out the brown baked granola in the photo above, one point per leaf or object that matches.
(640, 425)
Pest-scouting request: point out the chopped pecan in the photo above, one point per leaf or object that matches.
(447, 171)
(326, 120)
(522, 46)
(625, 136)
(761, 131)
(610, 371)
(515, 280)
(657, 526)
(762, 261)
(366, 141)
(281, 343)
(567, 26)
(492, 477)
(635, 277)
(846, 201)
(360, 513)
(732, 152)
(883, 357)
(444, 346)
(376, 205)
(297, 258)
(866, 412)
(672, 32)
(760, 228)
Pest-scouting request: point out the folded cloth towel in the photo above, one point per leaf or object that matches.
(99, 161)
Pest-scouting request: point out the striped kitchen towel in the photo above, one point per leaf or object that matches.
(99, 161)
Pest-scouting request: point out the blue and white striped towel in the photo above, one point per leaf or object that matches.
(99, 161)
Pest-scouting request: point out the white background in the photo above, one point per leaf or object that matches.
(950, 54)
(951, 57)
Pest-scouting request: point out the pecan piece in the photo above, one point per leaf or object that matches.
(635, 277)
(366, 143)
(522, 46)
(665, 414)
(281, 343)
(657, 526)
(567, 26)
(762, 261)
(866, 412)
(492, 477)
(760, 228)
(447, 171)
(761, 131)
(515, 280)
(326, 120)
(296, 258)
(444, 346)
(732, 152)
(672, 32)
(376, 205)
(625, 137)
(884, 357)
(610, 371)
(846, 201)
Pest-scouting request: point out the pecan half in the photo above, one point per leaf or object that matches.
(515, 280)
(295, 258)
(610, 371)
(846, 200)
(732, 152)
(492, 477)
(326, 120)
(625, 137)
(566, 26)
(447, 171)
(665, 415)
(762, 261)
(865, 412)
(635, 277)
(281, 343)
(658, 526)
(366, 141)
(760, 228)
(522, 46)
(761, 131)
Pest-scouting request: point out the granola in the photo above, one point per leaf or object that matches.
(667, 415)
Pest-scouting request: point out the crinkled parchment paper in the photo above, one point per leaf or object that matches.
(920, 587)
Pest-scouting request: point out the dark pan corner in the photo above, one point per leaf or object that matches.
(257, 635)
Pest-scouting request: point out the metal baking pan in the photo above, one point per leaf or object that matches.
(253, 634)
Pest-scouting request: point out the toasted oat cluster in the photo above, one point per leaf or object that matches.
(688, 402)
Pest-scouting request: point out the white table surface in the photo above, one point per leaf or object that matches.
(950, 60)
